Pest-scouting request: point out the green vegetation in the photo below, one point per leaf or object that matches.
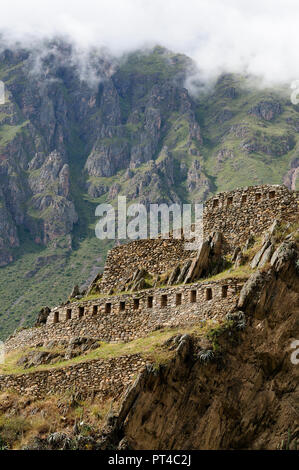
(275, 141)
(41, 417)
(8, 133)
(45, 276)
(25, 287)
(159, 62)
(150, 347)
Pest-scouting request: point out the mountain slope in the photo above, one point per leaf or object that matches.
(77, 132)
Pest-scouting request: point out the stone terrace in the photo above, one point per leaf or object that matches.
(236, 214)
(248, 211)
(129, 316)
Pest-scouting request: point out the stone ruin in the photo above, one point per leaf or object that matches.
(124, 308)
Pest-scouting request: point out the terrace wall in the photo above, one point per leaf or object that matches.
(236, 214)
(129, 316)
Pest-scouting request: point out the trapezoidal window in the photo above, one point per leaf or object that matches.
(271, 194)
(193, 296)
(94, 309)
(136, 304)
(258, 196)
(229, 201)
(224, 290)
(122, 306)
(56, 317)
(209, 293)
(68, 314)
(244, 199)
(81, 312)
(108, 307)
(215, 203)
(163, 300)
(150, 302)
(178, 299)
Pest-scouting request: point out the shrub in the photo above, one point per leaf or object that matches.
(12, 429)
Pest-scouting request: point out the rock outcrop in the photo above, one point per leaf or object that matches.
(244, 399)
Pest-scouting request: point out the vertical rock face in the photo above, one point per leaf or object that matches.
(133, 139)
(266, 110)
(8, 233)
(51, 194)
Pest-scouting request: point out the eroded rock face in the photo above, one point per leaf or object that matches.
(264, 291)
(49, 182)
(55, 117)
(266, 110)
(42, 316)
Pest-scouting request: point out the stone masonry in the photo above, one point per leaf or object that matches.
(126, 317)
(236, 214)
(107, 377)
(248, 211)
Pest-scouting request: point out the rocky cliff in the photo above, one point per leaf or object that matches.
(246, 398)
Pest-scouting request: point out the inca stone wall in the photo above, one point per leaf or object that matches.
(155, 256)
(236, 214)
(108, 377)
(248, 211)
(130, 316)
(117, 318)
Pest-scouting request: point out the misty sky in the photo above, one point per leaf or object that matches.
(257, 36)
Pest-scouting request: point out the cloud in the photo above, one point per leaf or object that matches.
(259, 37)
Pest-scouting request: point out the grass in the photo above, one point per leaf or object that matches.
(8, 133)
(149, 347)
(158, 62)
(25, 288)
(40, 417)
(12, 429)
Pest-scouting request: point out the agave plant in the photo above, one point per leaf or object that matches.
(59, 439)
(206, 355)
(238, 318)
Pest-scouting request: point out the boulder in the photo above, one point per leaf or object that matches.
(75, 292)
(216, 244)
(183, 272)
(36, 358)
(236, 253)
(174, 275)
(42, 316)
(285, 252)
(258, 256)
(239, 259)
(266, 256)
(138, 285)
(200, 263)
(250, 291)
